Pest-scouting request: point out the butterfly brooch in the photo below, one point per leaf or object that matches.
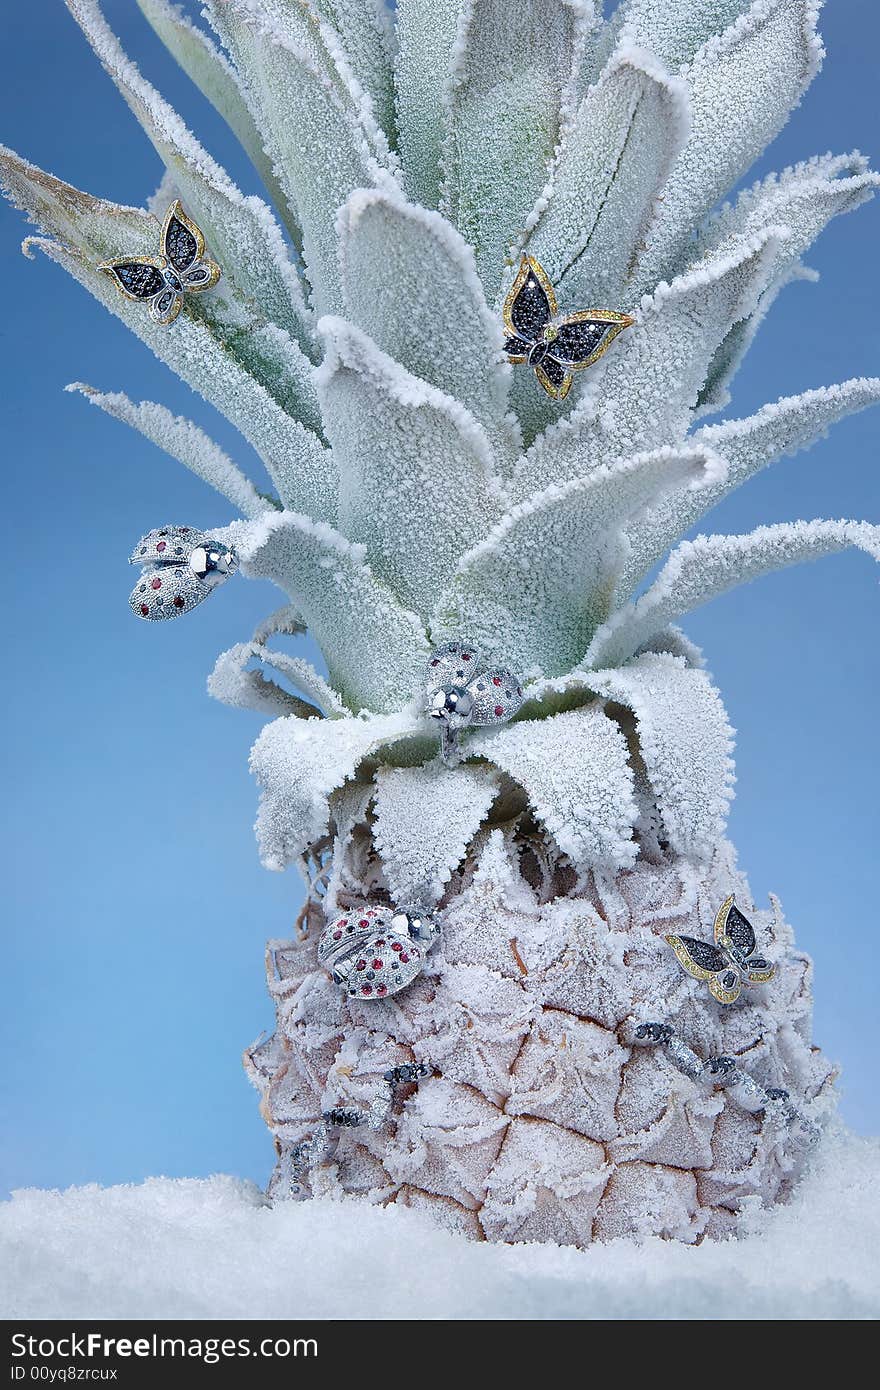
(555, 346)
(181, 567)
(463, 690)
(730, 963)
(375, 952)
(162, 281)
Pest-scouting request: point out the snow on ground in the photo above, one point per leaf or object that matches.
(211, 1248)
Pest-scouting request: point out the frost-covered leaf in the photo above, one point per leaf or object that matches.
(685, 742)
(366, 35)
(728, 356)
(746, 446)
(425, 819)
(375, 650)
(318, 119)
(613, 160)
(415, 505)
(102, 230)
(673, 31)
(301, 469)
(206, 66)
(509, 95)
(803, 198)
(409, 281)
(234, 682)
(426, 36)
(538, 586)
(183, 440)
(702, 569)
(298, 764)
(242, 233)
(575, 771)
(742, 87)
(642, 393)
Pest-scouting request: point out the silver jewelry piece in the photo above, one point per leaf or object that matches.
(375, 952)
(463, 690)
(181, 566)
(731, 963)
(298, 1163)
(773, 1101)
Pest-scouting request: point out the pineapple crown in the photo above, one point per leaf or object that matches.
(424, 488)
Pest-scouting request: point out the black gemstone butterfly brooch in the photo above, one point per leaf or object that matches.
(162, 281)
(181, 567)
(731, 962)
(555, 346)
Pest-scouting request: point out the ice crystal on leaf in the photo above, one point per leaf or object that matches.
(426, 489)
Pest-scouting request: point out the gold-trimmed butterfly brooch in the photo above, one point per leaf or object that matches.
(162, 281)
(730, 963)
(555, 346)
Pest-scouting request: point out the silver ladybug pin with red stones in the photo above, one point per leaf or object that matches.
(463, 689)
(181, 567)
(375, 952)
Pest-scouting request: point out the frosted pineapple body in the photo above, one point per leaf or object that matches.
(545, 1122)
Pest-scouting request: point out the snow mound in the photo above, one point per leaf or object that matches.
(212, 1248)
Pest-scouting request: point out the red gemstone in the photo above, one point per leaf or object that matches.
(366, 989)
(161, 546)
(381, 989)
(156, 583)
(337, 936)
(499, 710)
(396, 946)
(178, 601)
(363, 922)
(465, 656)
(144, 609)
(362, 965)
(343, 922)
(404, 957)
(378, 964)
(496, 680)
(381, 941)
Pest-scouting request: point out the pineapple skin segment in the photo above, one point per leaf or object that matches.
(545, 1124)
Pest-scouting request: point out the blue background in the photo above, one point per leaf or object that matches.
(136, 907)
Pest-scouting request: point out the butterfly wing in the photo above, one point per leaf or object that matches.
(453, 663)
(137, 277)
(730, 922)
(200, 277)
(698, 958)
(183, 243)
(166, 591)
(497, 696)
(166, 545)
(726, 985)
(583, 338)
(165, 307)
(555, 379)
(759, 971)
(530, 304)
